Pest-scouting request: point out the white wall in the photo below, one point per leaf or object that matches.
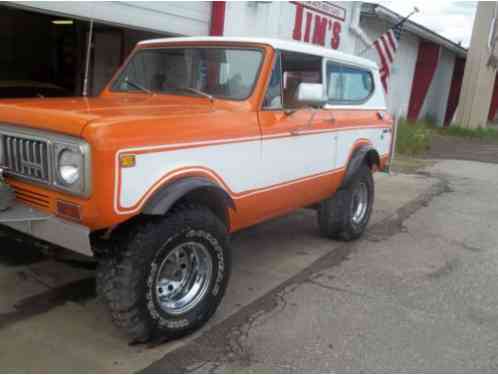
(434, 108)
(403, 69)
(278, 20)
(182, 18)
(271, 19)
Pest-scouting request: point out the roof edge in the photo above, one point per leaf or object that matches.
(380, 11)
(281, 44)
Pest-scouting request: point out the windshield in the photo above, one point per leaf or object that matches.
(201, 71)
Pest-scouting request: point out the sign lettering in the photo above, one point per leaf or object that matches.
(317, 24)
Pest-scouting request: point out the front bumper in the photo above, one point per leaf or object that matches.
(47, 227)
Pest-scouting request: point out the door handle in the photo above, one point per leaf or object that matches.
(308, 125)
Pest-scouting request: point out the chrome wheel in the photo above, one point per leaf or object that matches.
(359, 205)
(183, 278)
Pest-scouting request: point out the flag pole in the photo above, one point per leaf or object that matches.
(403, 20)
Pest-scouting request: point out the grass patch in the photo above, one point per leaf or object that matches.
(413, 138)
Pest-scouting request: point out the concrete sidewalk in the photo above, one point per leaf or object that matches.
(50, 319)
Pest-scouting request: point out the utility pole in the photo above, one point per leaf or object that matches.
(480, 72)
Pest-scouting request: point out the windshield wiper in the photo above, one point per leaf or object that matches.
(198, 92)
(138, 86)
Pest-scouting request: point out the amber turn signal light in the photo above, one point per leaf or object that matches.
(127, 161)
(68, 210)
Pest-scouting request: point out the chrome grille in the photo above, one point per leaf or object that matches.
(25, 157)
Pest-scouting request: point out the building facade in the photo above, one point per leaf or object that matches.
(426, 75)
(318, 22)
(47, 42)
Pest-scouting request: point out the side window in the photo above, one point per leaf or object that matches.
(273, 97)
(298, 68)
(348, 85)
(335, 84)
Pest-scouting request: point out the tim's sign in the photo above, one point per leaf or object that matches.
(318, 22)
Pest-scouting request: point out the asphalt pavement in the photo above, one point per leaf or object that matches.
(416, 293)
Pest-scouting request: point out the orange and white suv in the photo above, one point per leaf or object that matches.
(193, 139)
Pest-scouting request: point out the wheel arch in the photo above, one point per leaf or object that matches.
(200, 190)
(364, 153)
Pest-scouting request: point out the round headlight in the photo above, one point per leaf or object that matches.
(69, 167)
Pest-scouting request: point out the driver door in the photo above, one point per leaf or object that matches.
(298, 146)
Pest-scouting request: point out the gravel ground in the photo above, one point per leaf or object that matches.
(457, 148)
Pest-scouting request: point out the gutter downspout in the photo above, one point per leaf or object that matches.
(354, 26)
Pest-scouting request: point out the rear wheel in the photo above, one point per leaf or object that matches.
(170, 275)
(346, 214)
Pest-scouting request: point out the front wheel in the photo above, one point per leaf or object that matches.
(346, 215)
(169, 276)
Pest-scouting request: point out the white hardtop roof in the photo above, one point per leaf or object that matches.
(281, 44)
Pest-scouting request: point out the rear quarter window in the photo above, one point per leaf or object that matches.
(348, 85)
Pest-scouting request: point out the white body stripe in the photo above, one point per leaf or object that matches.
(247, 165)
(381, 142)
(292, 158)
(235, 163)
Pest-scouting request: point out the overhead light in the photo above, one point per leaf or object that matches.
(62, 22)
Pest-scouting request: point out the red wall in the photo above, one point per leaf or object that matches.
(427, 60)
(456, 86)
(217, 18)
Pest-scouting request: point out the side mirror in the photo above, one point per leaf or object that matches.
(310, 94)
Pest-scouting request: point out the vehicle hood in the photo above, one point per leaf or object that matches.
(71, 115)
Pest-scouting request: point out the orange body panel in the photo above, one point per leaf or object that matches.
(120, 121)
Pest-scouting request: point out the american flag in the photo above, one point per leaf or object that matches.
(386, 47)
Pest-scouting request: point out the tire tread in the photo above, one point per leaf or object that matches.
(119, 276)
(333, 213)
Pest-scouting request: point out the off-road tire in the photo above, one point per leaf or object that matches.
(125, 281)
(335, 216)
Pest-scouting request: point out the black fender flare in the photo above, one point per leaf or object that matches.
(163, 199)
(363, 153)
